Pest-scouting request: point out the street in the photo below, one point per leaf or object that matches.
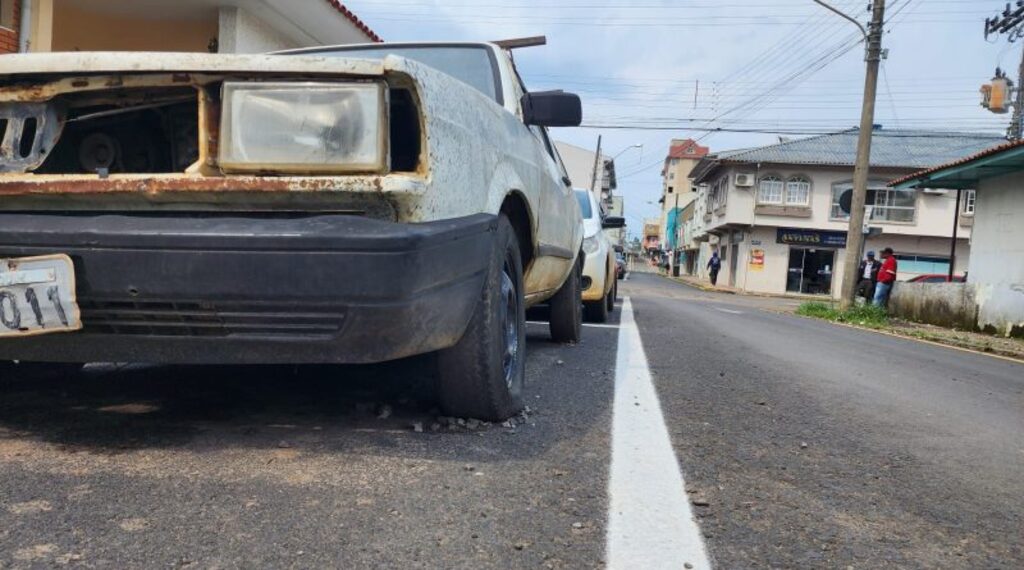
(802, 445)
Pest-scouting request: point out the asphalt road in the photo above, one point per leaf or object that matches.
(802, 445)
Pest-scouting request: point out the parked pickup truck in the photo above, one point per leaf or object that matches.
(354, 204)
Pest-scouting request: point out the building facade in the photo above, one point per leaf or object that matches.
(676, 189)
(224, 26)
(777, 220)
(580, 164)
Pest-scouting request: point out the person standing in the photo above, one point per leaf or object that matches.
(868, 277)
(714, 266)
(886, 278)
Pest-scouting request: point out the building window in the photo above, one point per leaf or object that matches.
(893, 205)
(968, 199)
(769, 190)
(671, 175)
(922, 264)
(675, 161)
(798, 191)
(670, 189)
(7, 14)
(889, 204)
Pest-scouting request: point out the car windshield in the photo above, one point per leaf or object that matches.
(582, 196)
(470, 64)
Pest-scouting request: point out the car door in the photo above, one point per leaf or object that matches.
(558, 221)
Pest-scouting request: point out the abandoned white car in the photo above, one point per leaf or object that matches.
(344, 205)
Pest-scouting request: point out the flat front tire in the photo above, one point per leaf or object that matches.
(567, 309)
(482, 376)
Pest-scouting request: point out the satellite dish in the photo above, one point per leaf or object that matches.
(845, 201)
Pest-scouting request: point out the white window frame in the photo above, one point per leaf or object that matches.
(879, 212)
(970, 201)
(799, 179)
(882, 212)
(771, 200)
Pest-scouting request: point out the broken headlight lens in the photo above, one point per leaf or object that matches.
(303, 127)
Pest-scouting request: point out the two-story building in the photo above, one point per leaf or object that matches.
(224, 26)
(776, 213)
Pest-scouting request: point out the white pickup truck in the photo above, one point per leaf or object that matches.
(340, 205)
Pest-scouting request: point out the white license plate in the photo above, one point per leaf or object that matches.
(37, 296)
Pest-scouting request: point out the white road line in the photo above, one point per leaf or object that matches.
(650, 523)
(730, 311)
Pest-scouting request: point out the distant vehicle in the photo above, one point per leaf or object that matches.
(351, 204)
(620, 265)
(599, 284)
(936, 278)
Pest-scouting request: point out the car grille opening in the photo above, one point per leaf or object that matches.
(206, 319)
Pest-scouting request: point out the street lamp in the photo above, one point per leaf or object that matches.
(621, 152)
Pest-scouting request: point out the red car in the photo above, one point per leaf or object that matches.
(937, 278)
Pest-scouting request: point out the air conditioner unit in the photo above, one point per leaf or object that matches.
(744, 180)
(935, 191)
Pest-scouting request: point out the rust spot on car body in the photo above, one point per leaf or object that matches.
(156, 184)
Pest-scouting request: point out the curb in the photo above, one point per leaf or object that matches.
(1004, 357)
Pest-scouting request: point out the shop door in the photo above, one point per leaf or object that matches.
(810, 271)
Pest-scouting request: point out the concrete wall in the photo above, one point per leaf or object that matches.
(242, 32)
(579, 163)
(75, 29)
(945, 304)
(997, 262)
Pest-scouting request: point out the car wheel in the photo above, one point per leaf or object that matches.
(567, 309)
(612, 296)
(482, 375)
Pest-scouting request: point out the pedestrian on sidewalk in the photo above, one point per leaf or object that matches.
(714, 266)
(886, 278)
(868, 277)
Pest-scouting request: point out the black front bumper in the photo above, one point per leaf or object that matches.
(203, 289)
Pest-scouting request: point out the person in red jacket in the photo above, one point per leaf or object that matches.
(886, 278)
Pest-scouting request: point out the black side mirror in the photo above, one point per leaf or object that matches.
(613, 222)
(552, 109)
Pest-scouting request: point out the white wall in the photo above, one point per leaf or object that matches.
(997, 259)
(242, 32)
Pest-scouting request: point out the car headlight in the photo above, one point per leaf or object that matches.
(303, 127)
(591, 245)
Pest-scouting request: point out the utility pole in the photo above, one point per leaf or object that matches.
(1014, 132)
(597, 162)
(1011, 23)
(855, 233)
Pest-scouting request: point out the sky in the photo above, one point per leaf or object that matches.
(788, 66)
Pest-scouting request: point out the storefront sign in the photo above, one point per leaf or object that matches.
(821, 238)
(756, 259)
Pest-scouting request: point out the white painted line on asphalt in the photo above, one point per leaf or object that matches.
(730, 311)
(650, 523)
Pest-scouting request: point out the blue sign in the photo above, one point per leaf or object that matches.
(819, 238)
